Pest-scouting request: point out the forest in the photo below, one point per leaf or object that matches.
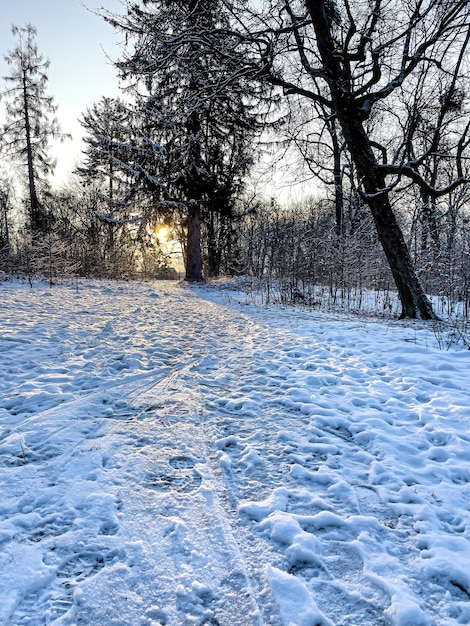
(367, 102)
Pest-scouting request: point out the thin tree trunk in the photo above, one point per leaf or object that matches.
(5, 228)
(212, 265)
(338, 178)
(429, 223)
(35, 210)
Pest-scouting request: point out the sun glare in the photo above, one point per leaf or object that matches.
(163, 233)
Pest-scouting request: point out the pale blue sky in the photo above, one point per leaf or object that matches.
(76, 43)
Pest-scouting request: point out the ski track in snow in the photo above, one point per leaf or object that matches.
(177, 456)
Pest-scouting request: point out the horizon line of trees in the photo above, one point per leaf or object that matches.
(371, 97)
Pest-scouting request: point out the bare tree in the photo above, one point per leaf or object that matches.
(356, 59)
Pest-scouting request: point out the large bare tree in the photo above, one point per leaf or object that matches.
(362, 61)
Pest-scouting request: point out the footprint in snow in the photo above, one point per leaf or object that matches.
(182, 462)
(181, 476)
(199, 602)
(44, 606)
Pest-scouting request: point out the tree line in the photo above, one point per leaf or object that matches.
(371, 97)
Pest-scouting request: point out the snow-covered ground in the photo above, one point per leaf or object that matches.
(178, 456)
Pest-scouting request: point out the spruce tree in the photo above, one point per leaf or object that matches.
(184, 74)
(30, 119)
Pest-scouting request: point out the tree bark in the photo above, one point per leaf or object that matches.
(193, 246)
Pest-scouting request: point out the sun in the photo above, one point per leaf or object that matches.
(163, 233)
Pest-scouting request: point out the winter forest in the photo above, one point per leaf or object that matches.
(222, 404)
(367, 104)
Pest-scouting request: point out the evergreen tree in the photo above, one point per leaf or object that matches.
(30, 120)
(118, 159)
(104, 125)
(183, 73)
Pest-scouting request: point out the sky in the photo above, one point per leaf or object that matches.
(79, 46)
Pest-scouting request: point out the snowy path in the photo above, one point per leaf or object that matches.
(174, 456)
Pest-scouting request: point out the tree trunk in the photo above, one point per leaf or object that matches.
(429, 223)
(212, 265)
(338, 178)
(34, 210)
(4, 226)
(193, 248)
(413, 299)
(194, 191)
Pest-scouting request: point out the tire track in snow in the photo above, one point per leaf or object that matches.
(152, 462)
(51, 520)
(169, 458)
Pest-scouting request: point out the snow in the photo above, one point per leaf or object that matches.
(175, 455)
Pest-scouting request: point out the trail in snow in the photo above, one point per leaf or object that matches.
(175, 456)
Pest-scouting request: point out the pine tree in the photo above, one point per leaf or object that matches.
(183, 71)
(105, 165)
(30, 120)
